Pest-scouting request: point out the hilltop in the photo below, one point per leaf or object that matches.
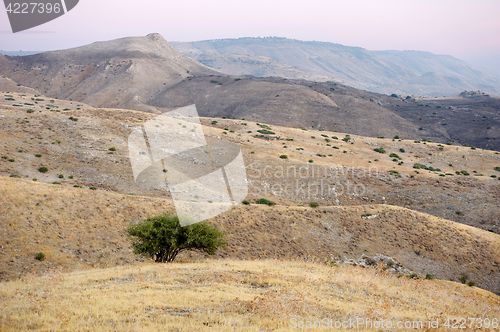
(264, 295)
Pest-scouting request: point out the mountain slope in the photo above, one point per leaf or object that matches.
(79, 228)
(121, 72)
(382, 71)
(147, 74)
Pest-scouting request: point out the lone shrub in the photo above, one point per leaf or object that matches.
(43, 169)
(284, 156)
(162, 238)
(40, 256)
(314, 204)
(379, 150)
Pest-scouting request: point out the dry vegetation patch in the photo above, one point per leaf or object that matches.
(226, 295)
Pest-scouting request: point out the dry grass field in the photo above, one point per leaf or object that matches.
(228, 295)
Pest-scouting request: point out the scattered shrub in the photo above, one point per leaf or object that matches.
(40, 256)
(43, 169)
(314, 204)
(266, 132)
(284, 156)
(393, 155)
(112, 148)
(429, 276)
(265, 202)
(379, 150)
(245, 202)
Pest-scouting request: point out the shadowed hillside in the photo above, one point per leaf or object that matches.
(408, 72)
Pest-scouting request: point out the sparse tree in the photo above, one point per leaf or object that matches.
(162, 237)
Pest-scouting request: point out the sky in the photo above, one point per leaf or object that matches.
(468, 30)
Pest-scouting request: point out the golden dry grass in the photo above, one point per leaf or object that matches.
(227, 295)
(79, 228)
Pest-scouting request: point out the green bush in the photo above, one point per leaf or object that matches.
(379, 150)
(402, 150)
(429, 276)
(38, 155)
(284, 156)
(463, 278)
(428, 168)
(314, 204)
(112, 148)
(497, 168)
(43, 169)
(395, 173)
(162, 238)
(245, 202)
(266, 202)
(40, 256)
(393, 155)
(266, 132)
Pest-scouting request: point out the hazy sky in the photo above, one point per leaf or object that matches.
(469, 30)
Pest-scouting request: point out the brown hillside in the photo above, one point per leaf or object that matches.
(355, 177)
(117, 73)
(80, 228)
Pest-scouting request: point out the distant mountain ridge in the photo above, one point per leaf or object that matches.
(148, 74)
(400, 72)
